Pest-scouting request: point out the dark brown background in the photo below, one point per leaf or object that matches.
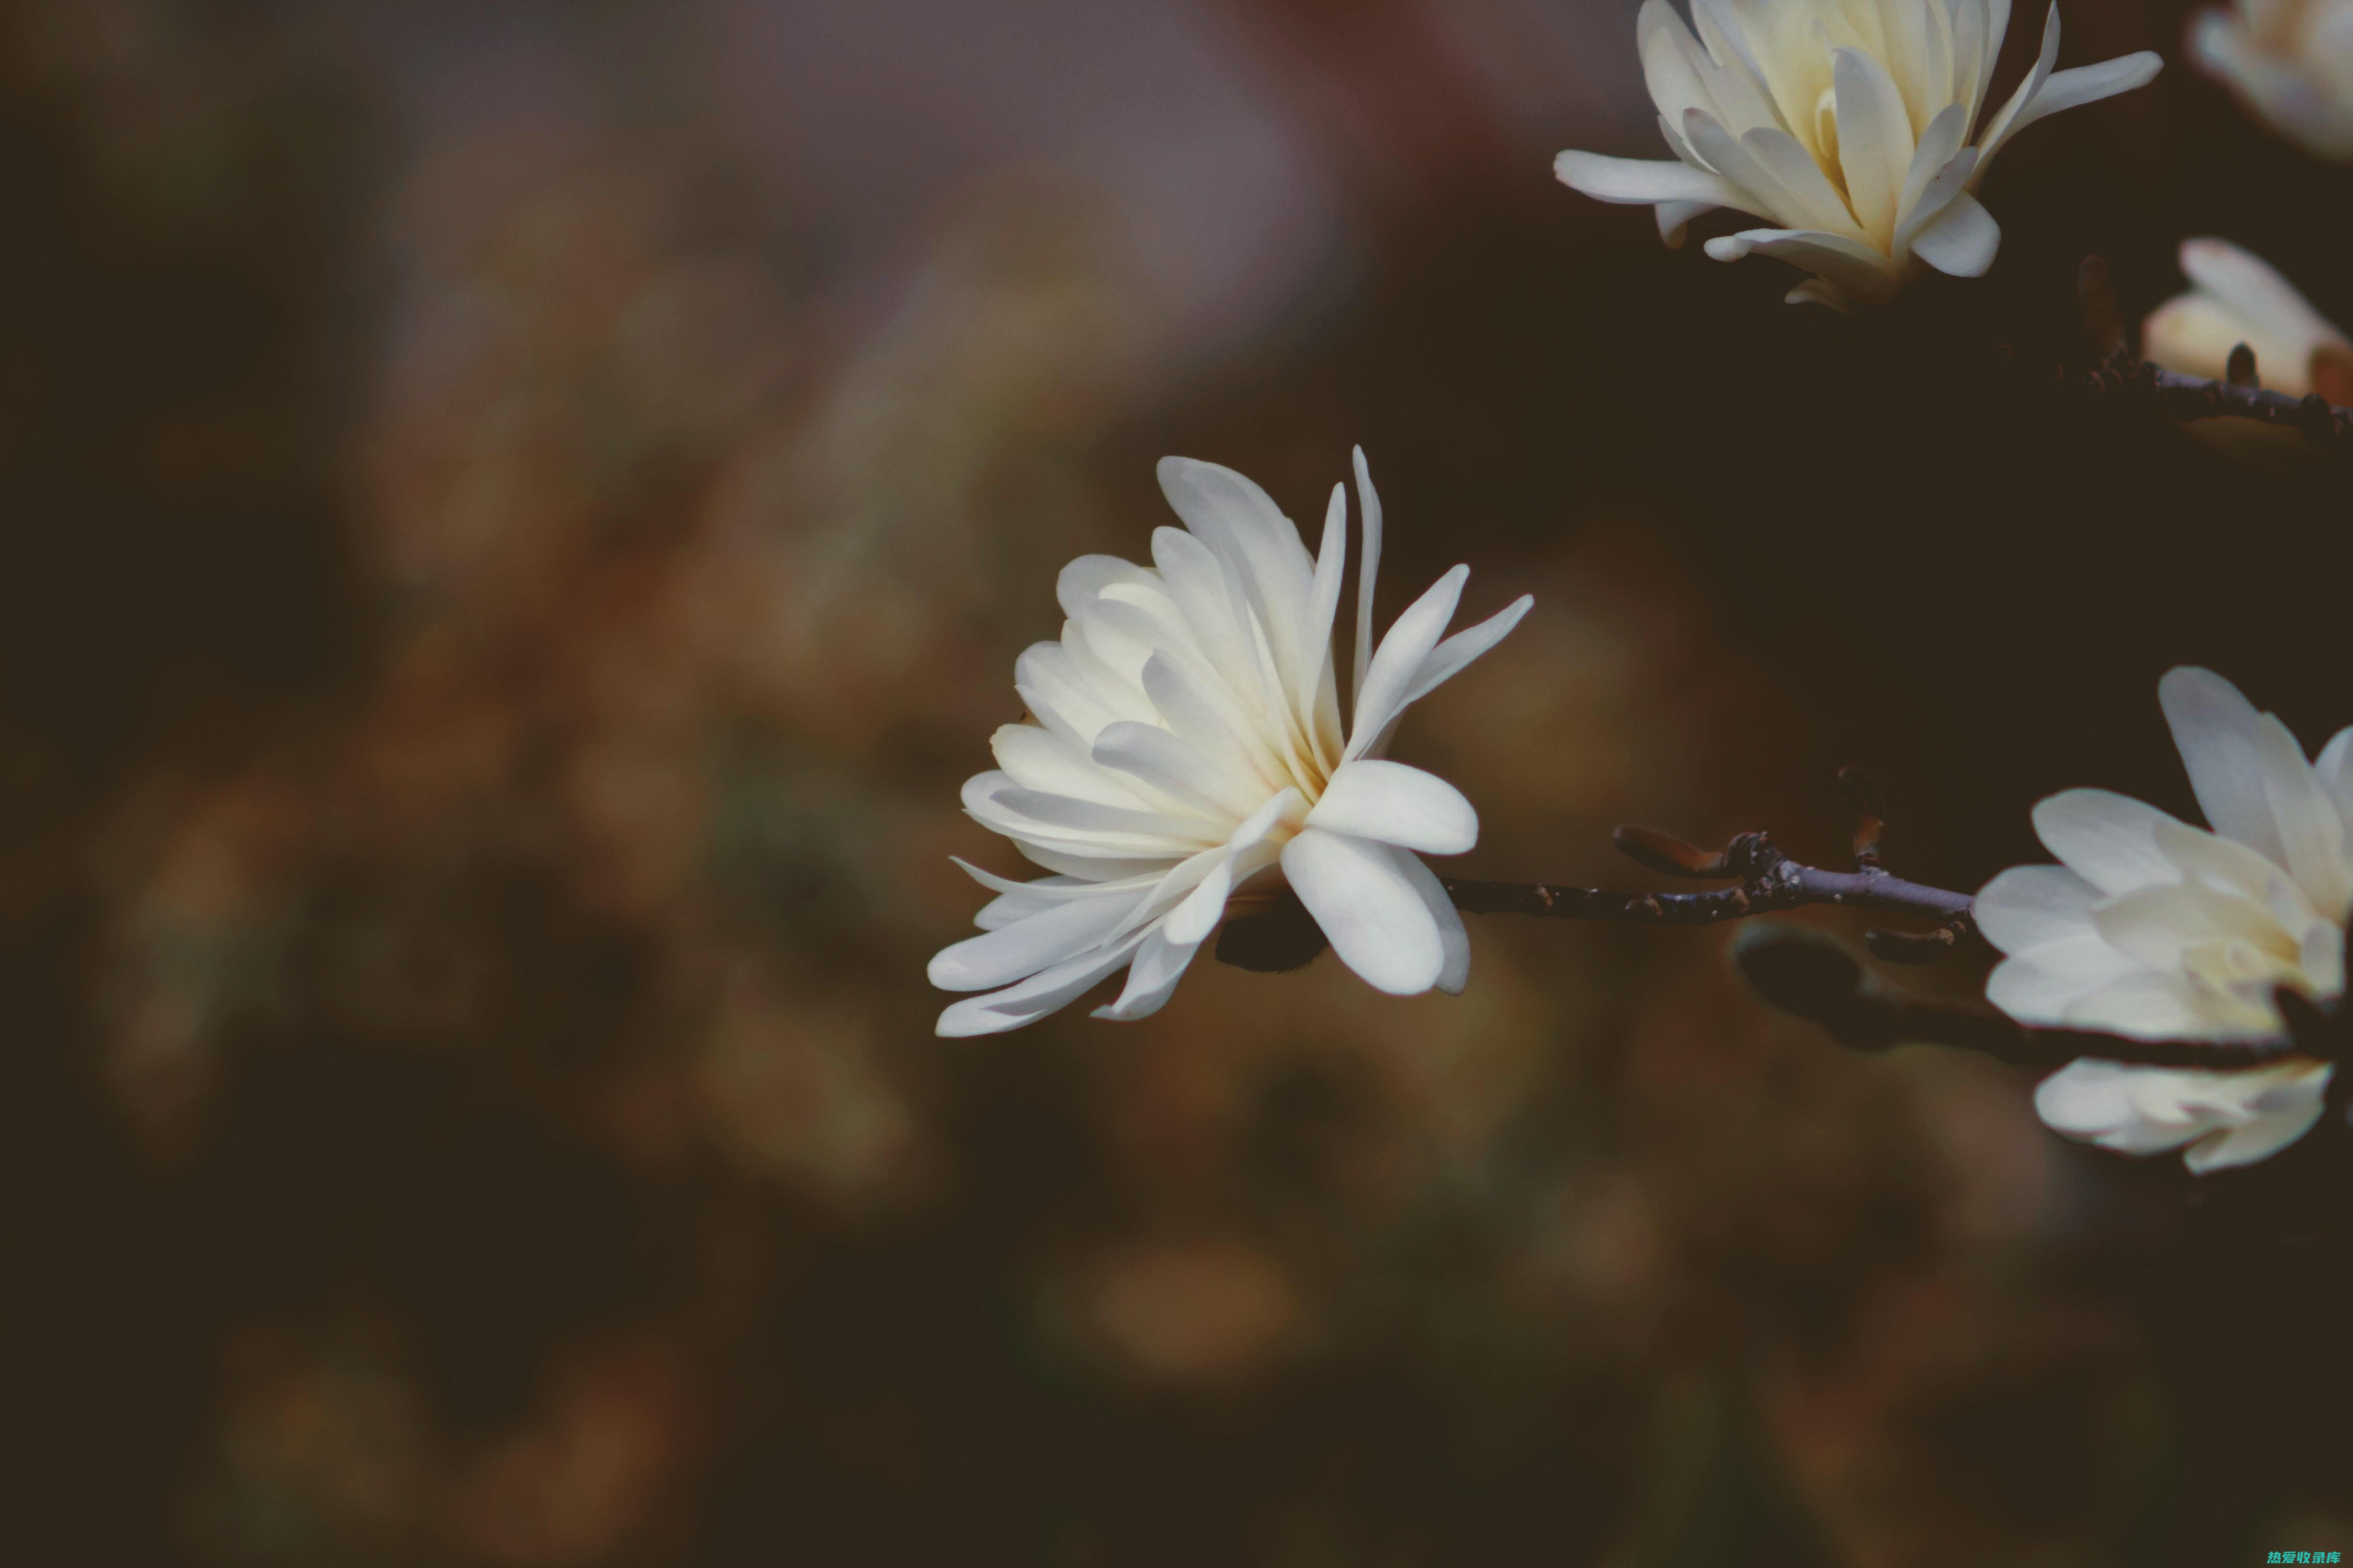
(514, 522)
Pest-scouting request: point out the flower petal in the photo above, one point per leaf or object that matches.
(2312, 835)
(1043, 993)
(1368, 566)
(1972, 56)
(1818, 291)
(1675, 220)
(1240, 521)
(1158, 759)
(1209, 594)
(2008, 121)
(2335, 768)
(1451, 658)
(1377, 923)
(2144, 1006)
(1040, 759)
(2195, 334)
(1788, 186)
(1027, 809)
(1159, 963)
(1675, 67)
(2081, 85)
(2288, 1108)
(2102, 1103)
(1083, 580)
(1875, 142)
(1963, 240)
(1319, 698)
(1059, 696)
(2108, 839)
(2270, 83)
(1644, 181)
(1727, 82)
(2040, 986)
(1398, 663)
(1093, 862)
(1455, 973)
(1940, 145)
(2026, 907)
(1394, 803)
(1997, 32)
(2153, 925)
(2214, 728)
(1022, 949)
(1857, 271)
(2255, 289)
(1904, 34)
(1743, 89)
(1249, 851)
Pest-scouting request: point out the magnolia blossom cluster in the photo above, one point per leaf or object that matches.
(2154, 929)
(1190, 754)
(1852, 127)
(2290, 62)
(1188, 758)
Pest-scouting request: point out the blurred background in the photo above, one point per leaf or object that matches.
(516, 518)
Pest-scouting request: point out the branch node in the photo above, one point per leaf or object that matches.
(2241, 372)
(1917, 947)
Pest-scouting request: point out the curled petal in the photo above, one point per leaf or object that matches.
(1398, 805)
(1857, 271)
(1454, 974)
(1399, 661)
(1675, 220)
(1963, 240)
(1643, 182)
(1048, 991)
(2088, 84)
(1378, 924)
(1152, 976)
(1024, 948)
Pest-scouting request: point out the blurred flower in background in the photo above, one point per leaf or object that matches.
(2290, 62)
(1848, 128)
(2236, 297)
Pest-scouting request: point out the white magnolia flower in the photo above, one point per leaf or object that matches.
(1843, 123)
(1188, 759)
(2291, 62)
(2157, 930)
(2236, 297)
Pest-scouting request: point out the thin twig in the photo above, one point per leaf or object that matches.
(1767, 880)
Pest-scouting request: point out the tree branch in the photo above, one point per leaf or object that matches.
(1812, 976)
(1768, 880)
